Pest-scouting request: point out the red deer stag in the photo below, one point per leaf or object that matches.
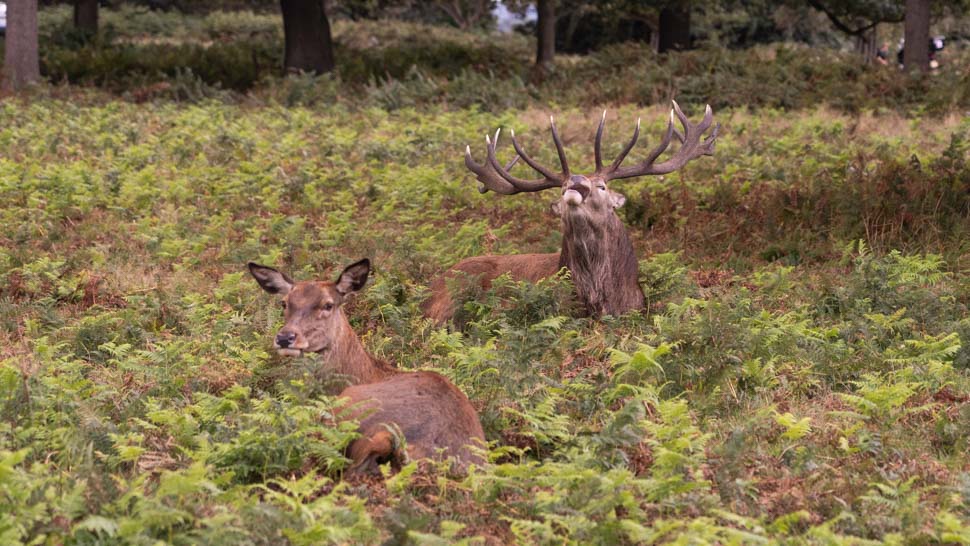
(434, 416)
(595, 246)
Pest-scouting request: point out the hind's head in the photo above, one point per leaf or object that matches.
(311, 309)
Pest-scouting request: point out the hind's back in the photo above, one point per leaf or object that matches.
(431, 413)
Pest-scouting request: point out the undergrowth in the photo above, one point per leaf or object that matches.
(145, 55)
(801, 375)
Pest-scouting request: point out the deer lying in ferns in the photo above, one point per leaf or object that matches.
(434, 416)
(595, 246)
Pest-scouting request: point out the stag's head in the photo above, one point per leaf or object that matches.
(589, 196)
(311, 309)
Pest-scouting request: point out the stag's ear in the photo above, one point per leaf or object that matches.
(270, 279)
(354, 277)
(556, 208)
(616, 199)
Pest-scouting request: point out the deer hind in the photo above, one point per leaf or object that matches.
(436, 418)
(596, 248)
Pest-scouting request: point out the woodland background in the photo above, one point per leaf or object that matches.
(802, 375)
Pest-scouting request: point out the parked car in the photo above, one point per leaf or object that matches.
(3, 18)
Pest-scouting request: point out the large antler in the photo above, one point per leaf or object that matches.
(498, 179)
(691, 147)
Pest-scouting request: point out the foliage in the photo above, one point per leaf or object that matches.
(149, 55)
(800, 376)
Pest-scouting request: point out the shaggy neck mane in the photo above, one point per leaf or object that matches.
(603, 265)
(347, 356)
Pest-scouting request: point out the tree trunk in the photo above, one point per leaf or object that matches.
(916, 51)
(546, 35)
(674, 28)
(21, 62)
(865, 44)
(571, 26)
(655, 37)
(309, 47)
(86, 16)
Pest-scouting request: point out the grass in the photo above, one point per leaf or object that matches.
(800, 376)
(796, 379)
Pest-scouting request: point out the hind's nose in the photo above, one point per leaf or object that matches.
(285, 339)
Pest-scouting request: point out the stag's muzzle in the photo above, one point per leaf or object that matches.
(576, 192)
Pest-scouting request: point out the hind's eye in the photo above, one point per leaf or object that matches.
(283, 304)
(328, 307)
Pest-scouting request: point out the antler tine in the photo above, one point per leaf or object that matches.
(680, 136)
(688, 128)
(708, 118)
(482, 188)
(493, 176)
(664, 142)
(519, 184)
(559, 148)
(596, 144)
(510, 164)
(626, 150)
(684, 121)
(711, 140)
(487, 177)
(521, 153)
(691, 146)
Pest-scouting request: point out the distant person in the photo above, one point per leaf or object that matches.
(882, 55)
(936, 45)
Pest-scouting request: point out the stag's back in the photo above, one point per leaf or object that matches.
(483, 270)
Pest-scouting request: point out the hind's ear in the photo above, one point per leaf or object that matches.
(270, 279)
(354, 277)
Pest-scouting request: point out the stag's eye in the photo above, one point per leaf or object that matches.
(328, 307)
(601, 188)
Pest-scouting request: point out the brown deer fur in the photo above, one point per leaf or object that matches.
(599, 255)
(521, 267)
(596, 247)
(435, 418)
